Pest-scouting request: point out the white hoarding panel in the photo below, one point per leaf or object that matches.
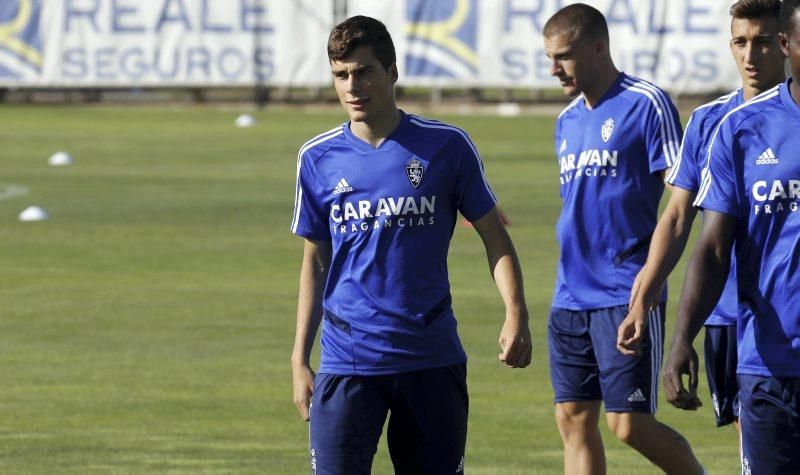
(681, 45)
(164, 42)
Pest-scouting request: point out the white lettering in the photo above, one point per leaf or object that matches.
(609, 158)
(363, 209)
(411, 206)
(350, 211)
(794, 189)
(595, 159)
(336, 218)
(584, 158)
(428, 205)
(777, 190)
(382, 208)
(396, 207)
(759, 196)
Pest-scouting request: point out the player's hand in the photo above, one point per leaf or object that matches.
(637, 284)
(303, 383)
(515, 341)
(631, 330)
(682, 360)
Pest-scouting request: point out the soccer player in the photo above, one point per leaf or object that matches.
(750, 195)
(613, 143)
(754, 43)
(376, 201)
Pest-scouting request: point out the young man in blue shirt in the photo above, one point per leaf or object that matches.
(376, 201)
(750, 195)
(613, 144)
(754, 43)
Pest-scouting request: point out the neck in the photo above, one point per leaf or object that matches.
(375, 131)
(749, 92)
(601, 85)
(794, 90)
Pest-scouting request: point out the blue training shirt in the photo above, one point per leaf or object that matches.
(686, 174)
(610, 159)
(753, 174)
(390, 212)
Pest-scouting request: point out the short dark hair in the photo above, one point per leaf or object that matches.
(788, 10)
(752, 9)
(579, 20)
(359, 31)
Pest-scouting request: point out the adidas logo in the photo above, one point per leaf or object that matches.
(637, 396)
(767, 157)
(342, 187)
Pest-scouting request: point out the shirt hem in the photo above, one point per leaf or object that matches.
(593, 306)
(354, 370)
(766, 373)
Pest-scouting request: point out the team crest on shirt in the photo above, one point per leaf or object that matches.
(607, 129)
(414, 171)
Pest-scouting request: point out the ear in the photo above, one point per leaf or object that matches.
(393, 74)
(783, 40)
(600, 47)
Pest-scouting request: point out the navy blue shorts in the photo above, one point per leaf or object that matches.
(585, 364)
(427, 429)
(721, 359)
(770, 421)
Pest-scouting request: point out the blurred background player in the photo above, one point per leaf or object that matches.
(376, 202)
(750, 195)
(614, 142)
(755, 25)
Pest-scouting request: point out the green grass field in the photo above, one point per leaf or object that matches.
(147, 326)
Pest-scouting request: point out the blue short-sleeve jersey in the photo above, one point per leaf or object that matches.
(610, 158)
(389, 213)
(753, 174)
(686, 174)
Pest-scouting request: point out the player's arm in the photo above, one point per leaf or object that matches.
(669, 241)
(515, 337)
(313, 273)
(702, 287)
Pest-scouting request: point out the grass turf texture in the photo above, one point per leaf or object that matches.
(147, 326)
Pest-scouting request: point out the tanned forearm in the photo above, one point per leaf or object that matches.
(504, 266)
(515, 336)
(668, 244)
(702, 288)
(705, 277)
(313, 274)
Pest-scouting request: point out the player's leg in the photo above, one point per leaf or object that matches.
(347, 416)
(427, 430)
(721, 359)
(659, 443)
(580, 433)
(770, 421)
(630, 392)
(575, 378)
